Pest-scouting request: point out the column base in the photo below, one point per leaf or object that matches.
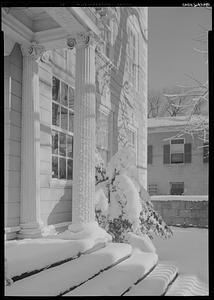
(90, 231)
(30, 231)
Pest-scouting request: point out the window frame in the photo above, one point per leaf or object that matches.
(177, 163)
(59, 129)
(181, 183)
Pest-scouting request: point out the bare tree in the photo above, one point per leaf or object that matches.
(154, 105)
(162, 105)
(176, 106)
(198, 95)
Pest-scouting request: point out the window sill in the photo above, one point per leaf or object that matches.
(60, 183)
(177, 165)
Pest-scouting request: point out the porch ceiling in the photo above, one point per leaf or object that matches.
(49, 26)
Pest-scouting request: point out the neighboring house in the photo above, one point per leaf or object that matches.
(176, 165)
(74, 78)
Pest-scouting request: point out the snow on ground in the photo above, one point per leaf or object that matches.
(186, 285)
(188, 249)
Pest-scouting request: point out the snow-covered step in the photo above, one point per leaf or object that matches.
(156, 283)
(188, 285)
(30, 255)
(115, 281)
(62, 278)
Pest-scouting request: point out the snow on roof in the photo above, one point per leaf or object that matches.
(173, 121)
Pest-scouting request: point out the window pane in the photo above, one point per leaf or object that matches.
(55, 89)
(177, 148)
(55, 114)
(71, 121)
(54, 167)
(64, 118)
(70, 169)
(177, 188)
(69, 146)
(64, 94)
(54, 142)
(71, 98)
(62, 168)
(177, 158)
(62, 144)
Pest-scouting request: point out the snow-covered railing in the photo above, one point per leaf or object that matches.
(180, 197)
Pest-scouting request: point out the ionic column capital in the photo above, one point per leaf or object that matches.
(33, 50)
(82, 40)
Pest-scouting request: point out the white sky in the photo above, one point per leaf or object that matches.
(171, 32)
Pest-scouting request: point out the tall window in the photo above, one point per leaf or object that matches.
(132, 55)
(62, 129)
(177, 151)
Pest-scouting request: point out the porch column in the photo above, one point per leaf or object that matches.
(83, 198)
(30, 145)
(84, 131)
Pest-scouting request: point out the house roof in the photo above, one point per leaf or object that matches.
(174, 121)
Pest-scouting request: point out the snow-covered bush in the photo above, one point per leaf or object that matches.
(122, 204)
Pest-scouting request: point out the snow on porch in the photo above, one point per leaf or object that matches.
(28, 255)
(59, 279)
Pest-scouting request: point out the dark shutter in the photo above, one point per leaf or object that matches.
(149, 154)
(206, 153)
(166, 154)
(187, 153)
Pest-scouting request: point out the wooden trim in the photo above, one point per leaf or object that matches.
(84, 19)
(15, 29)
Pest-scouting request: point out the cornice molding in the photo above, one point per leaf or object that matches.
(15, 29)
(88, 23)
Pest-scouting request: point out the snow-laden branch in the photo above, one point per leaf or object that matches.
(122, 204)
